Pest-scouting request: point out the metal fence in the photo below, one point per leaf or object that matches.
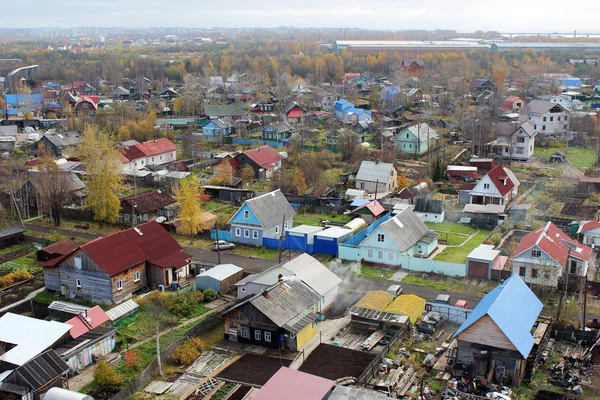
(450, 313)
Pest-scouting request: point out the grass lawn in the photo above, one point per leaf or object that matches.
(452, 227)
(459, 254)
(454, 239)
(315, 219)
(447, 284)
(375, 273)
(577, 156)
(258, 252)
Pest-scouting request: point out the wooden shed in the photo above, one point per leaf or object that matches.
(221, 279)
(11, 236)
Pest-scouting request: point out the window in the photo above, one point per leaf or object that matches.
(534, 273)
(152, 159)
(362, 185)
(246, 233)
(573, 269)
(522, 271)
(78, 283)
(520, 150)
(127, 218)
(534, 126)
(161, 157)
(486, 185)
(506, 150)
(558, 118)
(544, 127)
(536, 253)
(277, 230)
(380, 237)
(238, 232)
(380, 255)
(246, 214)
(77, 261)
(136, 276)
(520, 140)
(551, 119)
(285, 225)
(268, 337)
(244, 332)
(370, 253)
(243, 289)
(257, 335)
(254, 234)
(544, 119)
(145, 217)
(566, 118)
(119, 284)
(407, 135)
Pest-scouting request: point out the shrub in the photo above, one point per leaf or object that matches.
(181, 305)
(14, 277)
(187, 352)
(132, 359)
(210, 295)
(55, 236)
(196, 296)
(151, 298)
(106, 376)
(334, 214)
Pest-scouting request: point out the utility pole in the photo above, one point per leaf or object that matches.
(134, 203)
(281, 238)
(218, 242)
(585, 303)
(565, 285)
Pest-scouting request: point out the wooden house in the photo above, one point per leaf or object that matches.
(146, 207)
(284, 316)
(495, 340)
(109, 269)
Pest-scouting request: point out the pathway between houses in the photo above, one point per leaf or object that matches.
(28, 298)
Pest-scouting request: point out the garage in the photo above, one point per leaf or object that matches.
(480, 261)
(478, 269)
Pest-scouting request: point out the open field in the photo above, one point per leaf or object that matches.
(577, 156)
(315, 219)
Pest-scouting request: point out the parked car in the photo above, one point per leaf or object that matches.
(223, 245)
(430, 322)
(442, 299)
(395, 290)
(462, 304)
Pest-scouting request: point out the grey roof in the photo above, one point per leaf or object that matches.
(484, 252)
(313, 273)
(281, 126)
(223, 123)
(286, 304)
(405, 229)
(540, 107)
(425, 205)
(69, 308)
(41, 370)
(376, 315)
(122, 310)
(355, 393)
(372, 171)
(422, 131)
(270, 208)
(289, 106)
(221, 271)
(62, 140)
(509, 128)
(85, 340)
(11, 230)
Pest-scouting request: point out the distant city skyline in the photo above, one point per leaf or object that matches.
(463, 16)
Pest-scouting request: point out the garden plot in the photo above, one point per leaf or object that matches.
(333, 362)
(253, 369)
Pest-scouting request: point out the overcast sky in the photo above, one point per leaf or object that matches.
(460, 15)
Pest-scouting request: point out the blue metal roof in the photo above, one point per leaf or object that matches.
(342, 104)
(16, 100)
(359, 202)
(514, 308)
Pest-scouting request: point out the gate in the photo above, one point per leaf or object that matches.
(450, 313)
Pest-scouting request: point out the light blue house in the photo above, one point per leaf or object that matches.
(402, 235)
(217, 129)
(262, 220)
(341, 106)
(417, 139)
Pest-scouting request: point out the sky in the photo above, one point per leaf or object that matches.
(459, 15)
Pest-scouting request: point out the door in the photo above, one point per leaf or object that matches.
(174, 272)
(478, 270)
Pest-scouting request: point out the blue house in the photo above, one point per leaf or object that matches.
(497, 337)
(262, 220)
(24, 100)
(340, 108)
(218, 128)
(279, 131)
(390, 93)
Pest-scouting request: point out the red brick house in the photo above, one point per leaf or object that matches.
(413, 67)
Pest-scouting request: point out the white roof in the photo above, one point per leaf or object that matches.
(484, 252)
(221, 271)
(29, 335)
(484, 209)
(355, 193)
(334, 232)
(122, 309)
(373, 171)
(305, 229)
(313, 273)
(461, 168)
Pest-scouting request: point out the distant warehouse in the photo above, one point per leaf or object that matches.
(545, 46)
(409, 47)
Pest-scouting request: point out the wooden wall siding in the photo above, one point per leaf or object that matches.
(51, 279)
(95, 286)
(156, 275)
(251, 313)
(486, 332)
(498, 358)
(228, 284)
(129, 286)
(87, 263)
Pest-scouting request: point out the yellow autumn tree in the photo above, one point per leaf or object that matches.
(178, 105)
(225, 172)
(247, 174)
(188, 198)
(299, 182)
(402, 182)
(103, 176)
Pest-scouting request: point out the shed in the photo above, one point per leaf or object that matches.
(328, 240)
(481, 260)
(410, 305)
(65, 394)
(11, 236)
(221, 278)
(62, 310)
(460, 172)
(484, 216)
(84, 351)
(486, 164)
(302, 238)
(40, 373)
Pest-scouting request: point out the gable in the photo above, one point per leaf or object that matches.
(211, 124)
(239, 216)
(544, 259)
(480, 187)
(372, 240)
(485, 332)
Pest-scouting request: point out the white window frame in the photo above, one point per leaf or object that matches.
(238, 232)
(254, 234)
(285, 225)
(380, 255)
(277, 229)
(535, 253)
(136, 276)
(486, 185)
(77, 262)
(244, 332)
(78, 283)
(145, 217)
(370, 253)
(267, 336)
(380, 237)
(258, 334)
(119, 284)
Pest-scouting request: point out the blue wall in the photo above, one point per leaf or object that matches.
(251, 142)
(223, 235)
(241, 238)
(325, 245)
(238, 217)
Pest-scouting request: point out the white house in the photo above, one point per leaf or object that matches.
(499, 186)
(375, 176)
(429, 210)
(515, 141)
(547, 253)
(136, 155)
(589, 233)
(547, 118)
(304, 267)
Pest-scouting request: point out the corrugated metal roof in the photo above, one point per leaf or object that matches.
(372, 171)
(70, 308)
(305, 229)
(484, 252)
(294, 385)
(425, 205)
(514, 308)
(376, 300)
(355, 393)
(405, 229)
(313, 273)
(408, 304)
(375, 315)
(122, 309)
(41, 370)
(270, 208)
(221, 271)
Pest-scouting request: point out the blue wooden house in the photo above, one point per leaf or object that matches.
(278, 131)
(216, 129)
(262, 220)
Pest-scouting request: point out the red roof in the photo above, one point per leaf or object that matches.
(85, 322)
(78, 83)
(294, 385)
(590, 226)
(145, 149)
(508, 102)
(264, 156)
(149, 242)
(373, 206)
(498, 177)
(296, 112)
(88, 99)
(57, 250)
(555, 243)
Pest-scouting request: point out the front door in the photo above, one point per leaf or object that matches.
(174, 272)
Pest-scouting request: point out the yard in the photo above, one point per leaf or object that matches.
(376, 273)
(459, 254)
(451, 227)
(316, 219)
(257, 252)
(253, 369)
(333, 362)
(577, 156)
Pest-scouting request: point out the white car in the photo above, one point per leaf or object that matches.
(223, 245)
